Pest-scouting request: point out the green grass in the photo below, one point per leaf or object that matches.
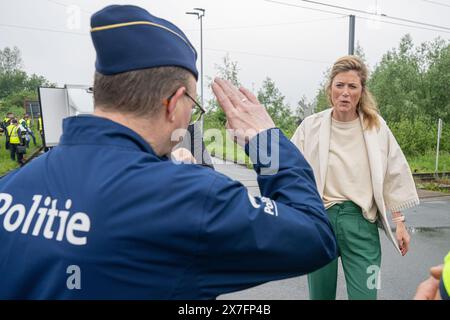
(427, 163)
(435, 186)
(228, 150)
(6, 164)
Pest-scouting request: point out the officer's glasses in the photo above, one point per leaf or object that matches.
(197, 109)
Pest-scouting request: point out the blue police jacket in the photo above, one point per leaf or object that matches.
(101, 216)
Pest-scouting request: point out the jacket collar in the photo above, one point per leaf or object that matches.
(324, 146)
(90, 129)
(374, 156)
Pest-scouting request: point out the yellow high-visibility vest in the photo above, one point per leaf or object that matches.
(28, 122)
(446, 274)
(40, 124)
(13, 134)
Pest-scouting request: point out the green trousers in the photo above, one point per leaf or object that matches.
(360, 252)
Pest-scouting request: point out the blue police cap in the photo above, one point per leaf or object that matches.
(129, 38)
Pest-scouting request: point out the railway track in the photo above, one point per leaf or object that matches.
(429, 177)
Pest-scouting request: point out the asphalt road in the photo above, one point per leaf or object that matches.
(429, 225)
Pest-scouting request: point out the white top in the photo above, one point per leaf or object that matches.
(348, 174)
(392, 181)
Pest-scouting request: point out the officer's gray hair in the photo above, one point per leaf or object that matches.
(139, 92)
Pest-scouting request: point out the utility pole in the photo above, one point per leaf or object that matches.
(200, 13)
(32, 113)
(196, 130)
(436, 170)
(351, 36)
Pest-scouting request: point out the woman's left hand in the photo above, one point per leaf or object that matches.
(403, 238)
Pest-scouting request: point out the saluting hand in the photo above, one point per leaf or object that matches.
(246, 117)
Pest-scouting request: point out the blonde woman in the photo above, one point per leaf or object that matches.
(361, 173)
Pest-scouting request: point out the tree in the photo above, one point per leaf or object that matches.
(359, 52)
(11, 82)
(396, 83)
(15, 84)
(437, 78)
(270, 96)
(10, 60)
(304, 109)
(229, 70)
(411, 83)
(321, 101)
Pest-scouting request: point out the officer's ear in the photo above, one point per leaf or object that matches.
(170, 103)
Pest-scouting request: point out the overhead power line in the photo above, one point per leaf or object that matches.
(268, 25)
(42, 29)
(437, 3)
(377, 14)
(442, 28)
(403, 25)
(218, 28)
(303, 7)
(338, 7)
(208, 49)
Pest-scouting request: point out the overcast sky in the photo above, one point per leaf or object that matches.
(292, 45)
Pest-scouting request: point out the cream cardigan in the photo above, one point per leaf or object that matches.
(393, 185)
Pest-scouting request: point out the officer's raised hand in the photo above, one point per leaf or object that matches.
(246, 117)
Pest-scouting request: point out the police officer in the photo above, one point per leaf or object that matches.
(15, 140)
(106, 214)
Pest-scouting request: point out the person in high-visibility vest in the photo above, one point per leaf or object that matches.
(15, 140)
(437, 286)
(444, 286)
(40, 127)
(4, 124)
(23, 128)
(25, 122)
(8, 118)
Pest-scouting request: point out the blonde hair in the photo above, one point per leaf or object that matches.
(366, 104)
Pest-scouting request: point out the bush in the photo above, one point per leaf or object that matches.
(418, 137)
